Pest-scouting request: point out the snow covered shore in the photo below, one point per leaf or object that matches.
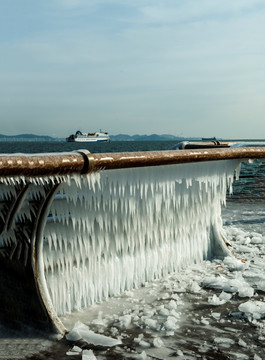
(211, 310)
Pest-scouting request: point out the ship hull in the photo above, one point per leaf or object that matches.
(88, 140)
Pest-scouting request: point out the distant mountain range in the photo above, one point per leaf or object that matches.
(26, 137)
(119, 137)
(152, 137)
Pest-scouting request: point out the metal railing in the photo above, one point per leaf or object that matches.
(81, 162)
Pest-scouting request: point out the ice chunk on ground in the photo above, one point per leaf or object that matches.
(141, 356)
(254, 308)
(242, 343)
(157, 342)
(261, 285)
(246, 291)
(88, 355)
(215, 300)
(125, 321)
(216, 315)
(225, 296)
(171, 323)
(224, 341)
(151, 323)
(144, 344)
(99, 320)
(171, 305)
(205, 321)
(81, 331)
(72, 353)
(234, 264)
(257, 240)
(195, 287)
(76, 350)
(73, 335)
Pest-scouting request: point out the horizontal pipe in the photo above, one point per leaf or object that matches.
(155, 158)
(83, 162)
(41, 164)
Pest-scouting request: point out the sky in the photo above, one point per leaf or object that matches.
(186, 68)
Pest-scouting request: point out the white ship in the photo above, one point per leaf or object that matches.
(98, 136)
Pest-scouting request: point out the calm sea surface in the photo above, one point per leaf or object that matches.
(7, 147)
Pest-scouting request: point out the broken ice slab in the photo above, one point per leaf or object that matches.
(81, 331)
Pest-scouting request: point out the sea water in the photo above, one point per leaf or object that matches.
(61, 146)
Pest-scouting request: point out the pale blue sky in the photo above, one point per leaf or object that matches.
(189, 68)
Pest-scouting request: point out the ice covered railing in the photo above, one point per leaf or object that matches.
(77, 228)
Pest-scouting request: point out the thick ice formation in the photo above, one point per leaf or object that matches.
(82, 331)
(185, 310)
(112, 231)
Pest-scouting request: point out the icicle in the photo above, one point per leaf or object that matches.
(131, 226)
(107, 232)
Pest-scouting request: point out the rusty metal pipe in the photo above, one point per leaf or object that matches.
(155, 158)
(41, 164)
(83, 162)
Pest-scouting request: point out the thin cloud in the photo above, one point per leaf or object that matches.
(126, 64)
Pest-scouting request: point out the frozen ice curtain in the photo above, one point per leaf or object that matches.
(112, 231)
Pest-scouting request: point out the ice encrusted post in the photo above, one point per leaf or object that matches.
(114, 230)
